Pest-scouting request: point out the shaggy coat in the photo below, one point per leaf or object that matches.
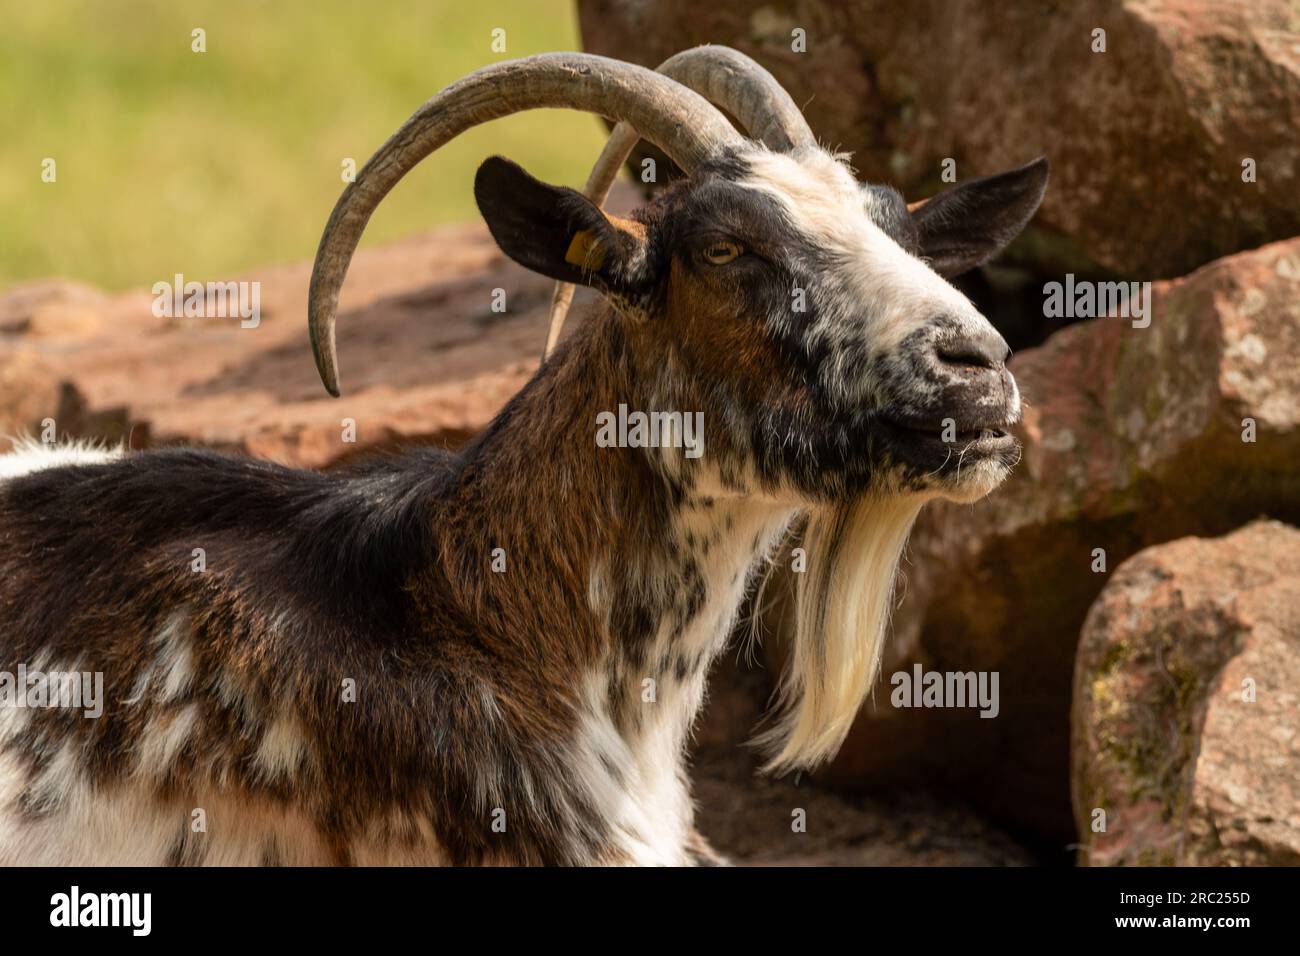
(497, 656)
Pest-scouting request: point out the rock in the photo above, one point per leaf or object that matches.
(36, 403)
(52, 308)
(1186, 715)
(29, 393)
(424, 357)
(1147, 140)
(48, 324)
(1132, 437)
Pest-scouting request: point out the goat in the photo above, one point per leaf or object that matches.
(448, 658)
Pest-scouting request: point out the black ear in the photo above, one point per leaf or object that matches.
(556, 231)
(968, 225)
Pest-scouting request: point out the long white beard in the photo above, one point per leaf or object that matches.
(842, 605)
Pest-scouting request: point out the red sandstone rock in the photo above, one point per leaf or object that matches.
(1146, 139)
(1186, 717)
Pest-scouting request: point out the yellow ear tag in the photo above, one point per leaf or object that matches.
(585, 251)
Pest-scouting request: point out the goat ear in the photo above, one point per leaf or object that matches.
(968, 225)
(556, 231)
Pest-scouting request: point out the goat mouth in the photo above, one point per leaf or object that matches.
(960, 436)
(928, 439)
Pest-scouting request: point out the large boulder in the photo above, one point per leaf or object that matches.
(1132, 437)
(1147, 139)
(1186, 716)
(425, 357)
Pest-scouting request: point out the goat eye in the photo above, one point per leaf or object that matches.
(720, 253)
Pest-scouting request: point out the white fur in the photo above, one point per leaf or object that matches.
(129, 824)
(652, 810)
(842, 610)
(122, 826)
(29, 455)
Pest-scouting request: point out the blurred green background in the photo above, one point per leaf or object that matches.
(209, 163)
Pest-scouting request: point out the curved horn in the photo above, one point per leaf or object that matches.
(677, 120)
(726, 78)
(741, 86)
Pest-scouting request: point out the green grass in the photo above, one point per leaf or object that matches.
(209, 163)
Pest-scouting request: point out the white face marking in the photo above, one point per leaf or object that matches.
(876, 293)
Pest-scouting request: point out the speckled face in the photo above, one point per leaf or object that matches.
(806, 316)
(837, 359)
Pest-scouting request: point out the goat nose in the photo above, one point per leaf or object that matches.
(982, 348)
